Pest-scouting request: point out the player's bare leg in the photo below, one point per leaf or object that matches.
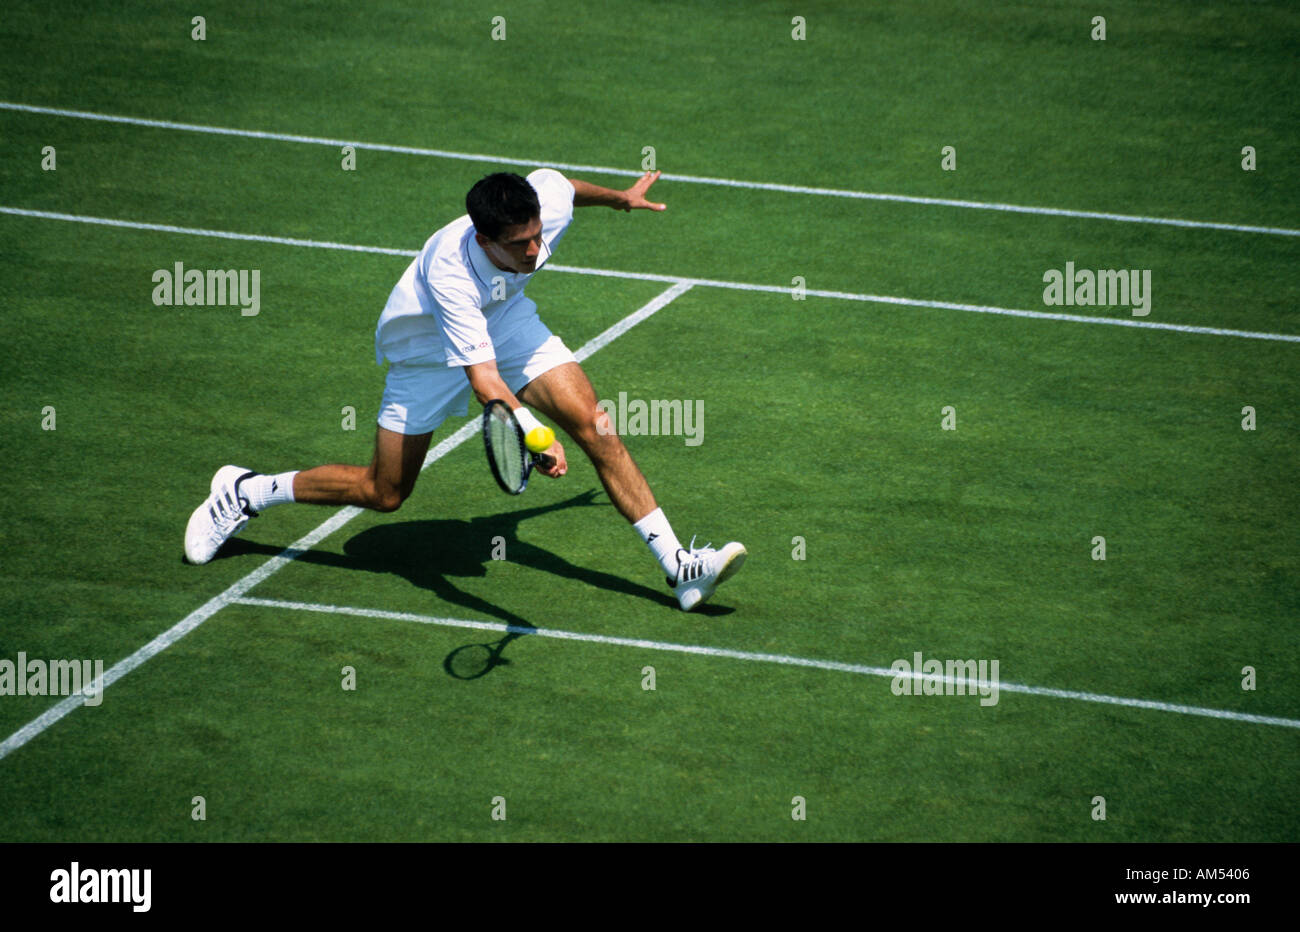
(381, 486)
(565, 395)
(237, 494)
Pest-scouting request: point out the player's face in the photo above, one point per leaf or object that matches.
(517, 248)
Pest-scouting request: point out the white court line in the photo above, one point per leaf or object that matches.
(692, 179)
(194, 231)
(942, 305)
(704, 282)
(177, 631)
(328, 527)
(763, 658)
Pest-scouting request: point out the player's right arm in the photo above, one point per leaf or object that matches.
(486, 382)
(458, 313)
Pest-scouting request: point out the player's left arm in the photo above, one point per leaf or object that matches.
(593, 195)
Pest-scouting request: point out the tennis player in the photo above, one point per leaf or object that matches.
(458, 322)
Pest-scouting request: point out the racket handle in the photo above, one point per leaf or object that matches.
(544, 460)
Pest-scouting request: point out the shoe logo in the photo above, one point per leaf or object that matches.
(652, 537)
(275, 484)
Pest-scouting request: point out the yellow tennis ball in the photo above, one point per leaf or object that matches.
(539, 439)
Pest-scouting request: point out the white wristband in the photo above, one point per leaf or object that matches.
(526, 420)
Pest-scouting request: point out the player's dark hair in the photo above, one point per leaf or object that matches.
(499, 201)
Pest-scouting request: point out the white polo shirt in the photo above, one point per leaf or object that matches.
(444, 306)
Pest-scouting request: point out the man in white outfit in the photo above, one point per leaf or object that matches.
(459, 321)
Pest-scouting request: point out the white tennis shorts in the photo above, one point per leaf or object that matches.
(421, 393)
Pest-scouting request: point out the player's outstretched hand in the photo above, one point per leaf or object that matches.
(558, 464)
(636, 194)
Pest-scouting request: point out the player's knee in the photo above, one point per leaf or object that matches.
(386, 498)
(599, 438)
(597, 429)
(602, 424)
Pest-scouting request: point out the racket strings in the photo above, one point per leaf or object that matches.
(506, 450)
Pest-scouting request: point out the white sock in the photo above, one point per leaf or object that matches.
(659, 537)
(264, 491)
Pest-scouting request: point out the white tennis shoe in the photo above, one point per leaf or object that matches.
(220, 517)
(701, 571)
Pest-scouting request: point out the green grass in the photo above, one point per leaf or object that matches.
(822, 422)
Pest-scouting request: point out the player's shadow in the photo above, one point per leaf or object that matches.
(429, 553)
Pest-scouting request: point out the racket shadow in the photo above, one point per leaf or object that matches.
(470, 661)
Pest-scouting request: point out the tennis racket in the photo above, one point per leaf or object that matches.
(509, 457)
